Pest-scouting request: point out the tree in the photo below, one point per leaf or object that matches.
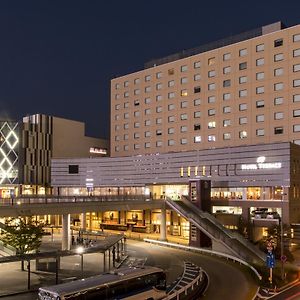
(24, 234)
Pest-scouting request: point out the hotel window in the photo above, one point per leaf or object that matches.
(136, 135)
(126, 147)
(260, 61)
(183, 117)
(278, 57)
(159, 86)
(159, 143)
(197, 64)
(147, 145)
(136, 113)
(126, 104)
(211, 112)
(296, 68)
(171, 83)
(197, 89)
(137, 81)
(171, 106)
(243, 106)
(211, 99)
(197, 139)
(260, 103)
(147, 77)
(260, 47)
(211, 124)
(243, 66)
(126, 115)
(242, 79)
(126, 83)
(226, 83)
(158, 132)
(171, 142)
(278, 72)
(278, 86)
(278, 42)
(226, 136)
(226, 56)
(117, 107)
(296, 98)
(197, 114)
(211, 73)
(137, 92)
(226, 109)
(159, 109)
(147, 100)
(136, 146)
(147, 122)
(171, 95)
(117, 127)
(278, 130)
(184, 68)
(260, 90)
(147, 111)
(117, 148)
(197, 77)
(211, 61)
(197, 102)
(148, 89)
(117, 86)
(296, 113)
(197, 127)
(183, 129)
(260, 76)
(183, 141)
(171, 72)
(226, 96)
(226, 123)
(278, 116)
(184, 93)
(243, 52)
(126, 136)
(147, 134)
(243, 93)
(117, 96)
(243, 134)
(296, 82)
(211, 86)
(226, 70)
(260, 132)
(136, 102)
(296, 52)
(242, 120)
(136, 124)
(159, 75)
(117, 138)
(117, 117)
(296, 128)
(211, 138)
(296, 37)
(260, 118)
(158, 120)
(126, 126)
(184, 104)
(278, 100)
(159, 97)
(184, 80)
(171, 130)
(126, 94)
(171, 119)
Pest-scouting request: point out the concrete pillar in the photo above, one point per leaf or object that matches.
(163, 225)
(66, 241)
(244, 193)
(83, 222)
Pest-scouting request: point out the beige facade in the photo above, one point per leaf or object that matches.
(240, 94)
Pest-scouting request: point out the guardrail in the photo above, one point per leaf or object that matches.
(205, 251)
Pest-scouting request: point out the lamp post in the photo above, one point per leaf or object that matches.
(281, 236)
(80, 251)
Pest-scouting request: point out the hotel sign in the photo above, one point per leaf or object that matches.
(261, 164)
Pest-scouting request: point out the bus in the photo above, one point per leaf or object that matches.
(123, 283)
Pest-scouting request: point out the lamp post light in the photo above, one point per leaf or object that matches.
(80, 251)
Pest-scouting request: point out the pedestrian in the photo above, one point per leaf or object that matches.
(73, 240)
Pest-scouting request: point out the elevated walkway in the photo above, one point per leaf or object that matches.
(232, 242)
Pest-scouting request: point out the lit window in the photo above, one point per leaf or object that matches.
(226, 123)
(226, 136)
(243, 106)
(296, 38)
(226, 56)
(242, 79)
(117, 107)
(242, 120)
(159, 75)
(197, 139)
(197, 64)
(184, 68)
(260, 132)
(260, 76)
(260, 90)
(260, 103)
(197, 77)
(211, 99)
(278, 116)
(212, 124)
(243, 93)
(211, 86)
(211, 61)
(278, 100)
(278, 86)
(260, 61)
(159, 109)
(117, 86)
(212, 73)
(184, 93)
(243, 52)
(211, 138)
(260, 47)
(243, 134)
(211, 112)
(278, 42)
(117, 96)
(278, 57)
(197, 102)
(171, 83)
(171, 72)
(278, 72)
(260, 118)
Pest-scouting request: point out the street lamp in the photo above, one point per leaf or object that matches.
(80, 251)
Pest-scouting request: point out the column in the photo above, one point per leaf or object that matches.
(244, 193)
(66, 245)
(83, 222)
(163, 227)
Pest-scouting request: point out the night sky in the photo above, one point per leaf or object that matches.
(57, 57)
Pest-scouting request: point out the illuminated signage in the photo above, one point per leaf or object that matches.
(261, 164)
(98, 150)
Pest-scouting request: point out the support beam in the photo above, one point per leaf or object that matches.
(66, 241)
(83, 222)
(163, 226)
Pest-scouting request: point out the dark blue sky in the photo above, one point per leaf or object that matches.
(57, 57)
